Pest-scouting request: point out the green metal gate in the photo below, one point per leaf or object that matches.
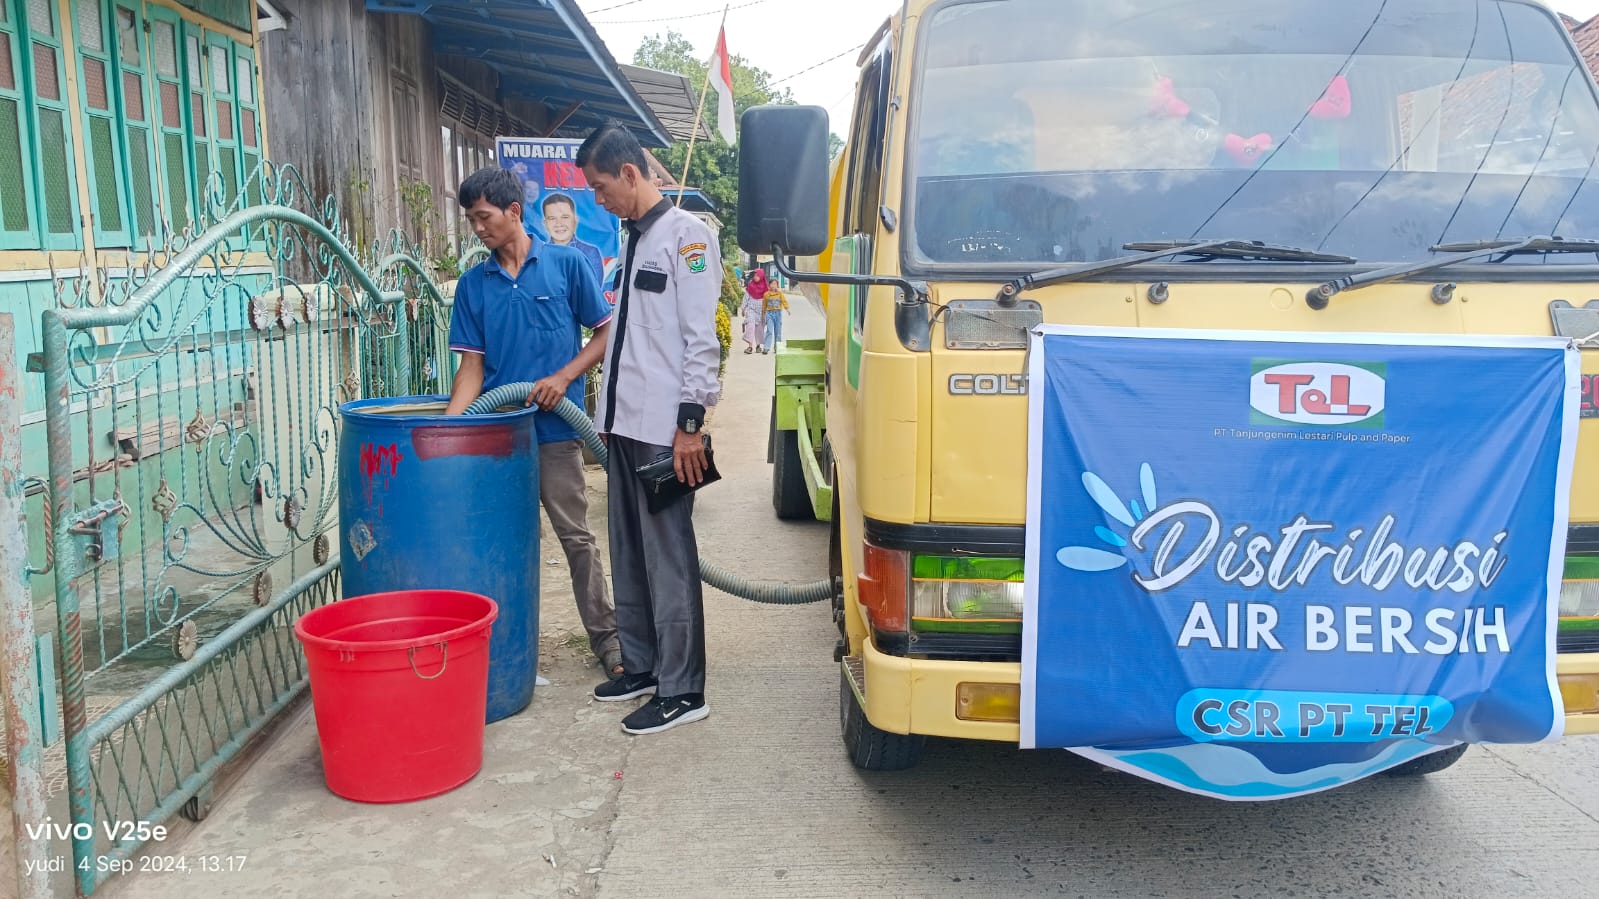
(192, 421)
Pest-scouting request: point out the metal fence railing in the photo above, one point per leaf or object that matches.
(192, 421)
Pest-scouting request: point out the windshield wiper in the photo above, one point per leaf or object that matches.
(1242, 249)
(1153, 250)
(1320, 295)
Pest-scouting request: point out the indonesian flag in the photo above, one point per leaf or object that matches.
(721, 80)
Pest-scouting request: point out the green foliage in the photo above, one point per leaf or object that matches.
(417, 198)
(714, 168)
(731, 300)
(724, 333)
(835, 145)
(672, 52)
(732, 290)
(446, 266)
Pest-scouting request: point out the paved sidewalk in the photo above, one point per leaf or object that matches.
(545, 817)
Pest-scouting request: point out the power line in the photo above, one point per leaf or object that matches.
(693, 15)
(611, 7)
(815, 67)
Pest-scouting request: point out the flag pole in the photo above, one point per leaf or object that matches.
(699, 114)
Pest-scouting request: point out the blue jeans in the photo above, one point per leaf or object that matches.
(774, 329)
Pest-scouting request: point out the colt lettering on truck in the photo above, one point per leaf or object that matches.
(1206, 389)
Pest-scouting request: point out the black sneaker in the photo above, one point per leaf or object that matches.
(665, 713)
(626, 687)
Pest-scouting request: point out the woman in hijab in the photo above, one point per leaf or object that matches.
(754, 310)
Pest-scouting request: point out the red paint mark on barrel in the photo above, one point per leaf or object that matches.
(374, 460)
(482, 440)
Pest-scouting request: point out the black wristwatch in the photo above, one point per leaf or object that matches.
(690, 417)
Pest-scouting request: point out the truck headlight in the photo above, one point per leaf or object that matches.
(966, 594)
(1579, 599)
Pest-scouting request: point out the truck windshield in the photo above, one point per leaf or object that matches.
(1052, 132)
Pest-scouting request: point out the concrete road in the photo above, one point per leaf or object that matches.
(758, 800)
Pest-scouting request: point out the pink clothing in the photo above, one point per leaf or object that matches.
(757, 286)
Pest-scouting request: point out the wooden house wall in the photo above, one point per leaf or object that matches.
(330, 83)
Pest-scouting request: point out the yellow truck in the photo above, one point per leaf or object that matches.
(1378, 166)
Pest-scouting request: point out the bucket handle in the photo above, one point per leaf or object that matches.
(444, 650)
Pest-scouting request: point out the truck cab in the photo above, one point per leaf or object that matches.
(1408, 166)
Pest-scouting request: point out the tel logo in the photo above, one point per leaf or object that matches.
(1318, 393)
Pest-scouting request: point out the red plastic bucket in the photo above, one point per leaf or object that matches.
(399, 682)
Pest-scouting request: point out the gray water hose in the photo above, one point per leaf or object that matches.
(711, 573)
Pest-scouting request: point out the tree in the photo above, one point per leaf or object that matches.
(835, 144)
(714, 168)
(673, 53)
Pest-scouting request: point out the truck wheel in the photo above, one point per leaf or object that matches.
(1429, 764)
(871, 749)
(771, 435)
(790, 497)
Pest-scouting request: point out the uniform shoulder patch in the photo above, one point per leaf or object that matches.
(694, 255)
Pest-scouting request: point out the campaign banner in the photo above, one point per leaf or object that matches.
(558, 203)
(1258, 568)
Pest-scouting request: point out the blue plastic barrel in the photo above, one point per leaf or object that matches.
(434, 502)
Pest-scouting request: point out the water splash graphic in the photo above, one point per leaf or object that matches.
(1092, 558)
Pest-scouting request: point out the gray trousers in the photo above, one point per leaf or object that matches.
(660, 607)
(564, 493)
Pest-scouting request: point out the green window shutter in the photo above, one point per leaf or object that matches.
(54, 159)
(103, 175)
(17, 217)
(224, 113)
(14, 219)
(244, 87)
(250, 161)
(133, 58)
(228, 164)
(98, 93)
(202, 163)
(199, 117)
(167, 71)
(141, 177)
(52, 168)
(177, 179)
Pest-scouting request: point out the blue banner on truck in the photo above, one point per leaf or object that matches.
(1258, 568)
(558, 204)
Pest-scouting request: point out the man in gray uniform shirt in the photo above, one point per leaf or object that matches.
(660, 374)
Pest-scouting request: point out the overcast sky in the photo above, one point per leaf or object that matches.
(785, 37)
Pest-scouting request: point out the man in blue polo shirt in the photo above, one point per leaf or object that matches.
(517, 317)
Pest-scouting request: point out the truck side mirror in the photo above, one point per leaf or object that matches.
(782, 180)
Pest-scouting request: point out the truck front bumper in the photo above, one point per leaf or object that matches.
(940, 698)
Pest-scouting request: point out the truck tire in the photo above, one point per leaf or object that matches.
(771, 435)
(790, 497)
(1429, 764)
(870, 749)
